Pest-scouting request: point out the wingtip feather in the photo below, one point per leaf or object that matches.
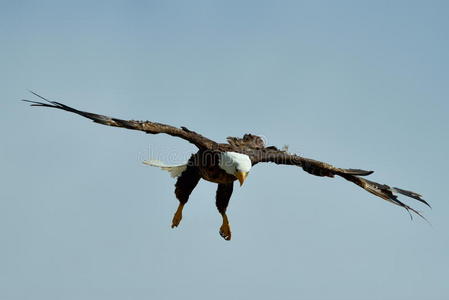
(387, 193)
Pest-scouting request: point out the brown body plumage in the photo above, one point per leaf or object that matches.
(207, 162)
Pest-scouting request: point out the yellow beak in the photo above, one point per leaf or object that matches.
(241, 176)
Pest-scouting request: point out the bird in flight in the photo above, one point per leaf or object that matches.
(224, 163)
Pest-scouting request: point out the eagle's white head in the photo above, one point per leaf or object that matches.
(236, 164)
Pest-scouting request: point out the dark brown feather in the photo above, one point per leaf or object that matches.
(146, 126)
(186, 183)
(224, 192)
(248, 142)
(319, 168)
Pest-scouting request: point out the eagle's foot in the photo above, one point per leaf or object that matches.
(225, 231)
(177, 217)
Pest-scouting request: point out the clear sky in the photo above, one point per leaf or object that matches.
(361, 84)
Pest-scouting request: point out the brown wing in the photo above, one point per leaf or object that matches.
(318, 168)
(146, 126)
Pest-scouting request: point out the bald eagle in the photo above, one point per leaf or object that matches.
(224, 163)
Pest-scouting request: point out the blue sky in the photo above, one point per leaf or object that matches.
(360, 84)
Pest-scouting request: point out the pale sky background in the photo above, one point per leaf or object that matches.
(360, 84)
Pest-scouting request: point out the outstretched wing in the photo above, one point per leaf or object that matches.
(146, 126)
(318, 168)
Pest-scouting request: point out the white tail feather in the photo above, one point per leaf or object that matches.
(175, 171)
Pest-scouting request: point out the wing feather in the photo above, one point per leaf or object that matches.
(145, 126)
(318, 168)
